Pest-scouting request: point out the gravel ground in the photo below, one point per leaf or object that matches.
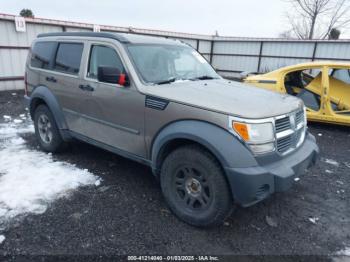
(126, 214)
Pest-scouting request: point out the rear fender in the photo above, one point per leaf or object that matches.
(43, 94)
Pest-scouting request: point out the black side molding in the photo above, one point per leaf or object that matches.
(156, 103)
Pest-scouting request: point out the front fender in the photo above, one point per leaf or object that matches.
(222, 144)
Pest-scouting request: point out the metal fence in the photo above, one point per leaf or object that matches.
(229, 55)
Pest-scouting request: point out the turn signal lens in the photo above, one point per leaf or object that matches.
(242, 130)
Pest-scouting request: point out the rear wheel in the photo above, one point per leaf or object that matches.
(194, 186)
(46, 130)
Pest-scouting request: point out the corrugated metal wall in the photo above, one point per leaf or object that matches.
(229, 55)
(13, 51)
(264, 55)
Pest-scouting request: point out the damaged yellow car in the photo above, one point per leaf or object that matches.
(323, 86)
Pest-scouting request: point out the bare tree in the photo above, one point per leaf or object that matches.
(311, 19)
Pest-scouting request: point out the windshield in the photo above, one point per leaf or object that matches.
(161, 64)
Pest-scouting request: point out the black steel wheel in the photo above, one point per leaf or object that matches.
(194, 186)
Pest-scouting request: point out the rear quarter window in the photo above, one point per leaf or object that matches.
(41, 54)
(68, 58)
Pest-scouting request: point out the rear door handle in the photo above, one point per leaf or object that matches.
(86, 88)
(51, 79)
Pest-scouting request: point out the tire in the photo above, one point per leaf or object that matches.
(194, 186)
(46, 130)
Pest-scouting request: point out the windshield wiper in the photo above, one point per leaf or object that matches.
(173, 79)
(204, 77)
(168, 81)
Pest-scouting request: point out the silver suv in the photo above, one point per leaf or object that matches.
(211, 142)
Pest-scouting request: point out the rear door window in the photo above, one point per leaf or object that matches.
(68, 58)
(42, 53)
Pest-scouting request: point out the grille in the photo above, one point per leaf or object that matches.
(299, 117)
(282, 124)
(290, 131)
(284, 144)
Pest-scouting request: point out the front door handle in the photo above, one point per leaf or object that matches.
(86, 88)
(51, 79)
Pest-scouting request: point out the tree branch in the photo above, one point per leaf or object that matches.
(310, 17)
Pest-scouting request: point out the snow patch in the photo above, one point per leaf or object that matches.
(344, 252)
(98, 182)
(2, 239)
(329, 171)
(313, 220)
(331, 162)
(6, 117)
(30, 180)
(13, 130)
(270, 221)
(17, 121)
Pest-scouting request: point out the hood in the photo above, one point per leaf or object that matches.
(228, 97)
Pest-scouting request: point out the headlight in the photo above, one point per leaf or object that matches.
(258, 135)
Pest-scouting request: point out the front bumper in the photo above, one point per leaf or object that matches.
(253, 184)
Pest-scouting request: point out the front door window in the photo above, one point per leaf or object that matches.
(103, 56)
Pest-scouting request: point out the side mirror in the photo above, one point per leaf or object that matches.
(112, 75)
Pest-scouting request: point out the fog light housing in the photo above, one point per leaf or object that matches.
(262, 148)
(262, 192)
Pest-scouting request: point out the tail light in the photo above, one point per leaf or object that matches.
(25, 75)
(25, 84)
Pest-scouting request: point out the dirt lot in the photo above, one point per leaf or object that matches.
(126, 214)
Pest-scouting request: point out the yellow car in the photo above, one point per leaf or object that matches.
(323, 86)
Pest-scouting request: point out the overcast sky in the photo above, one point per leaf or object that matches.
(252, 18)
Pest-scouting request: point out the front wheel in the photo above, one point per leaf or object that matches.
(194, 186)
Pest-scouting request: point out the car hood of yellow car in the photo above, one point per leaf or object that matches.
(228, 97)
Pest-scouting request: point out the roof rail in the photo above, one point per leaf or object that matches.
(114, 36)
